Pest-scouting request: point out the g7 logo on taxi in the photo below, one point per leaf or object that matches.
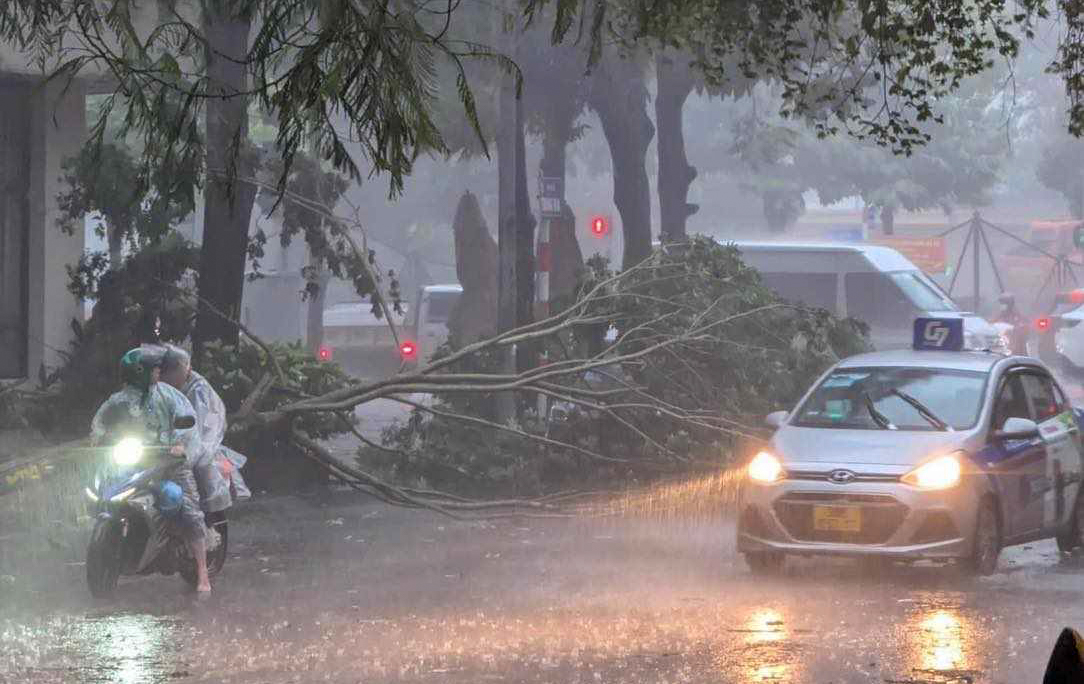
(936, 333)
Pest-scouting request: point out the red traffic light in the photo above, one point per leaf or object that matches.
(1043, 324)
(408, 350)
(599, 226)
(324, 353)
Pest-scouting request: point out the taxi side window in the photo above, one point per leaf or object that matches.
(1011, 402)
(1041, 392)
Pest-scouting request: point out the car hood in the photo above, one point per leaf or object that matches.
(840, 448)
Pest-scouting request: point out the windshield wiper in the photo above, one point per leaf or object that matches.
(923, 410)
(882, 421)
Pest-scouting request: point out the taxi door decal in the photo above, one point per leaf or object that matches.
(1061, 449)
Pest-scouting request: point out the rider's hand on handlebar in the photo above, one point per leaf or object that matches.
(176, 451)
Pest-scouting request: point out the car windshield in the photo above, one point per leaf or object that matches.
(924, 295)
(845, 399)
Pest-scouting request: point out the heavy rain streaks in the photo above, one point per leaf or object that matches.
(541, 341)
(336, 592)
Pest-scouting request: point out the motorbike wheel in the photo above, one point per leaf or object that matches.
(215, 559)
(104, 559)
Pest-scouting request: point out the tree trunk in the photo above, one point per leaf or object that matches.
(566, 258)
(675, 81)
(314, 323)
(774, 212)
(228, 203)
(116, 247)
(619, 95)
(888, 220)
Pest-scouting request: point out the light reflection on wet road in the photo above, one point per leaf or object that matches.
(403, 596)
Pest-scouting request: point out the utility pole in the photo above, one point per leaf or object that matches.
(510, 117)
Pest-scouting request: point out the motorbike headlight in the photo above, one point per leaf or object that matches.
(765, 468)
(940, 473)
(128, 451)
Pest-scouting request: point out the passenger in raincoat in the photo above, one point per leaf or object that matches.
(155, 406)
(218, 467)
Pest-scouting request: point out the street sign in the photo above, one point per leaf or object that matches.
(551, 196)
(553, 187)
(929, 254)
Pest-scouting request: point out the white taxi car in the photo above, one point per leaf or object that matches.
(918, 454)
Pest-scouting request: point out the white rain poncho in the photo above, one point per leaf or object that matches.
(211, 413)
(163, 404)
(156, 410)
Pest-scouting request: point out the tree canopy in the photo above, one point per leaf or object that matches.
(878, 70)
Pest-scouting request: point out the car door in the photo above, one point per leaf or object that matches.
(1059, 480)
(1016, 464)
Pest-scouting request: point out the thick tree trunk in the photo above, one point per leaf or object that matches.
(566, 258)
(619, 95)
(228, 203)
(675, 82)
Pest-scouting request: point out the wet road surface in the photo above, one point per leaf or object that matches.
(332, 590)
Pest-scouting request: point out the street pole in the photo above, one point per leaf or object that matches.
(976, 233)
(509, 115)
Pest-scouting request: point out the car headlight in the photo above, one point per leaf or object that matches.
(940, 473)
(128, 451)
(765, 468)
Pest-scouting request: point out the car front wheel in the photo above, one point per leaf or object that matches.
(769, 562)
(1073, 538)
(987, 545)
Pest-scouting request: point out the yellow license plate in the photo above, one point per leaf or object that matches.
(837, 518)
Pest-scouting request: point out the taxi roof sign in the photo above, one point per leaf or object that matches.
(939, 334)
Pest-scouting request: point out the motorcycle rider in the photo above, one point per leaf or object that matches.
(211, 414)
(157, 405)
(1018, 330)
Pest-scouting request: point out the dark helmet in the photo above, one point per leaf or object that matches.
(136, 367)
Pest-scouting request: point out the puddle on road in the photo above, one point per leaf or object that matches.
(98, 649)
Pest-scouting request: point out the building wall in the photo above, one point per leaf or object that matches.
(56, 131)
(14, 225)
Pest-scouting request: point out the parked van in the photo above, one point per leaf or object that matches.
(432, 308)
(871, 283)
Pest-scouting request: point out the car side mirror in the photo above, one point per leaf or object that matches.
(1018, 428)
(184, 422)
(775, 419)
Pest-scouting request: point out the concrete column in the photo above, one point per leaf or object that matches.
(57, 130)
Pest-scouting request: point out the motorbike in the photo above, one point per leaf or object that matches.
(136, 505)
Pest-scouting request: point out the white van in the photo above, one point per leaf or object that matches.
(871, 283)
(432, 309)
